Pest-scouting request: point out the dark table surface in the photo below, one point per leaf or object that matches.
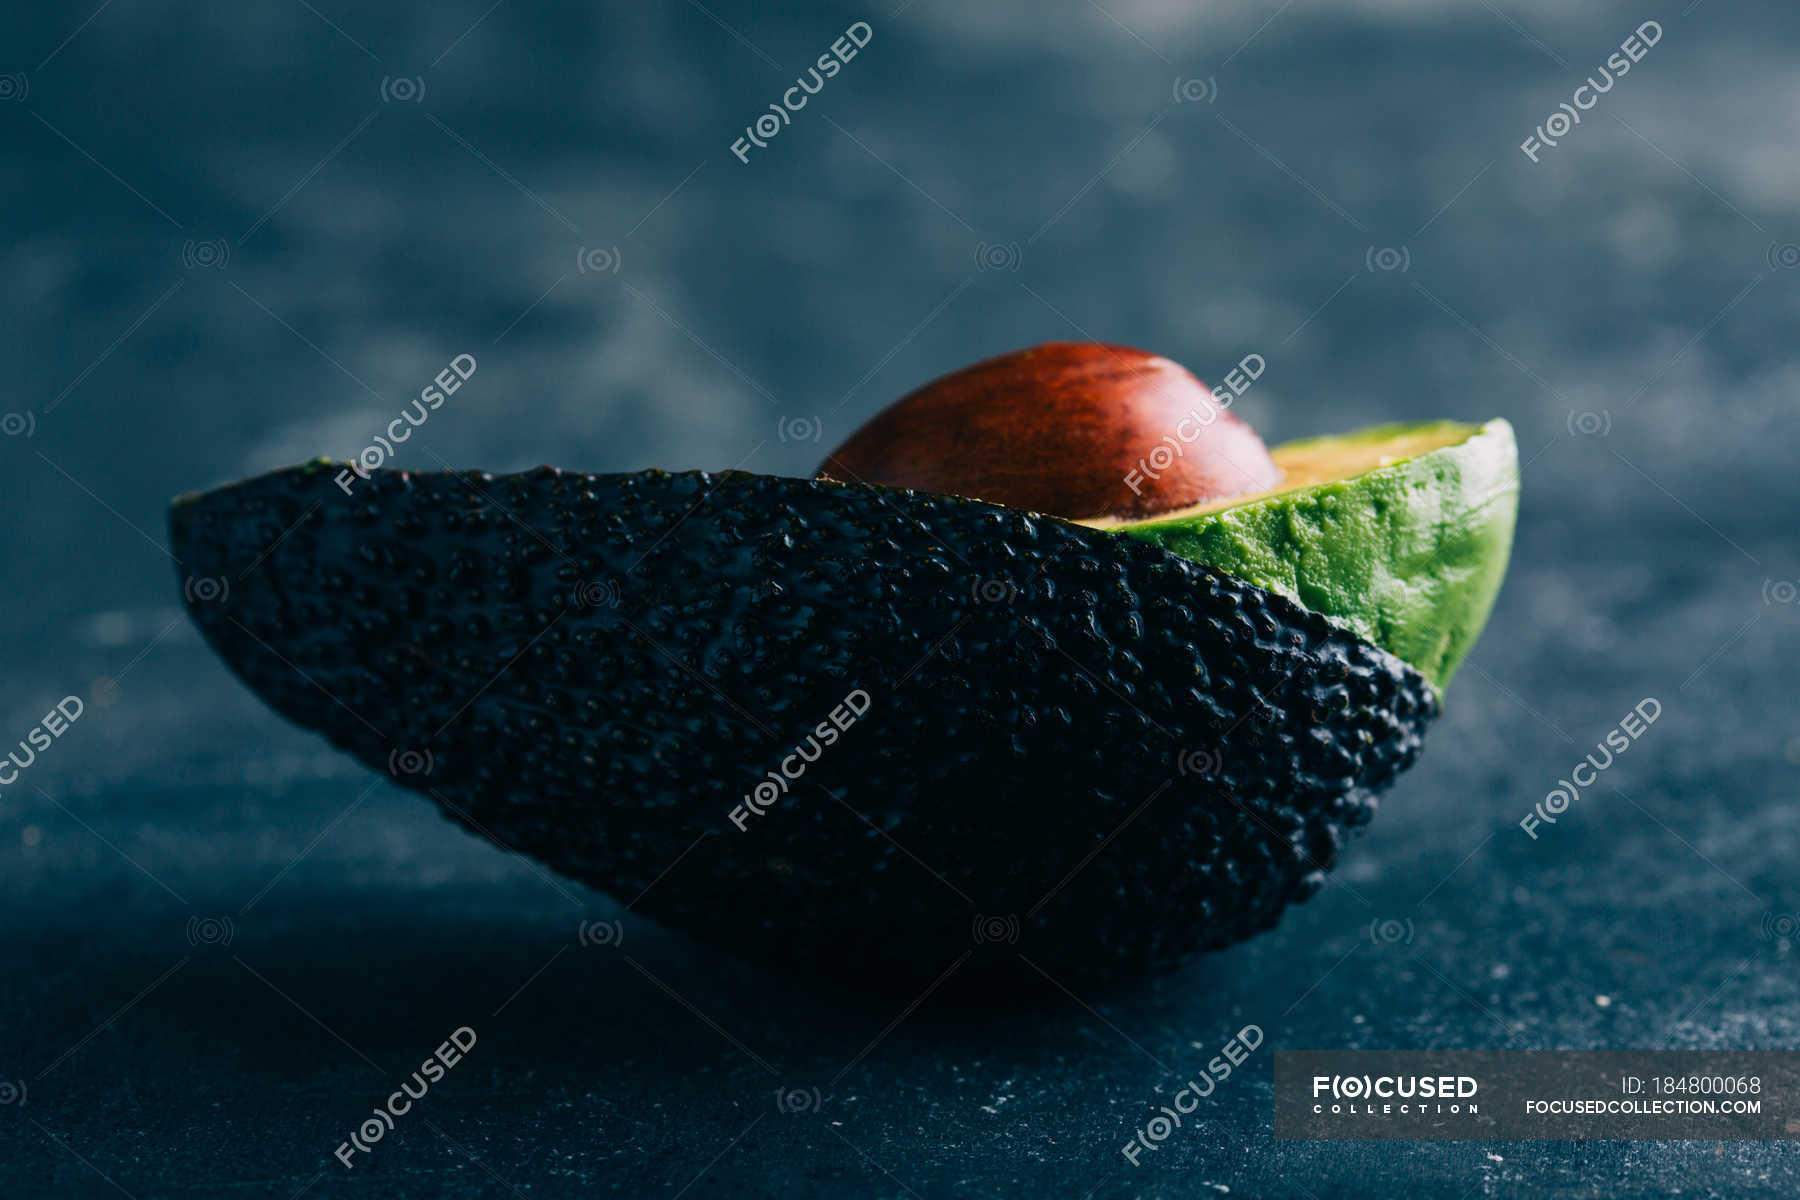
(224, 944)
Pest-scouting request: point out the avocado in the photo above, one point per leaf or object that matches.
(856, 728)
(1399, 532)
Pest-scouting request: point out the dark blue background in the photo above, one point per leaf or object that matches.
(1625, 302)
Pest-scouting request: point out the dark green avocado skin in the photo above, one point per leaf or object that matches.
(1078, 747)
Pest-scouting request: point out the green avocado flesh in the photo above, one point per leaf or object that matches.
(1400, 533)
(859, 729)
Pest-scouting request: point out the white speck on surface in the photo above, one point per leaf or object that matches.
(1603, 1001)
(1499, 971)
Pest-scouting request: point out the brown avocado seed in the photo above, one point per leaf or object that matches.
(1071, 429)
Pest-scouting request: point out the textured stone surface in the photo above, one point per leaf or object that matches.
(1074, 744)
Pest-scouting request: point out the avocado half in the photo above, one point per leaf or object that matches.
(865, 729)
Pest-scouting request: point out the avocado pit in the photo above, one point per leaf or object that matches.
(1063, 428)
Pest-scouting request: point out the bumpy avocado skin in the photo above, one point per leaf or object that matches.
(1411, 556)
(1077, 747)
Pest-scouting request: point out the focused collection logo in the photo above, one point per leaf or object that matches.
(444, 384)
(1162, 456)
(764, 795)
(56, 722)
(1557, 800)
(381, 1121)
(1405, 1095)
(1184, 1102)
(762, 131)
